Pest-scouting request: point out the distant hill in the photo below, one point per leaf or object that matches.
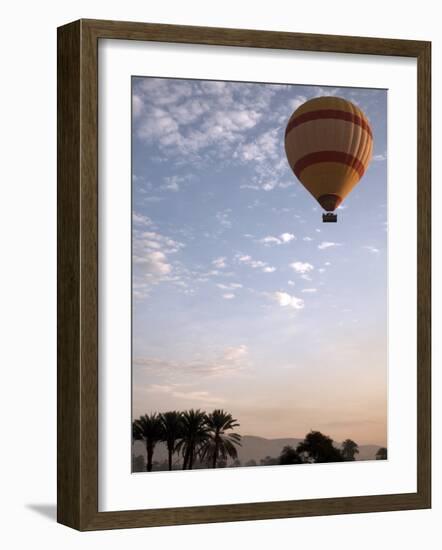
(255, 448)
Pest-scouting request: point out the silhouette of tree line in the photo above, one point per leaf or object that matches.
(317, 447)
(201, 439)
(193, 435)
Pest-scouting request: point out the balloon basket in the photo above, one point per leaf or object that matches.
(329, 217)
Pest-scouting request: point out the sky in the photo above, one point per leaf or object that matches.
(242, 298)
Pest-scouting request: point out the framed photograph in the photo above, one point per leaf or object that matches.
(243, 275)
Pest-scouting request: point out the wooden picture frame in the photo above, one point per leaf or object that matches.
(78, 274)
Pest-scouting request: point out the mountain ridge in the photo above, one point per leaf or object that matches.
(255, 447)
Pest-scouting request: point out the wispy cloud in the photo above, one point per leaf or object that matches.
(372, 249)
(328, 244)
(230, 360)
(309, 290)
(173, 183)
(180, 391)
(380, 157)
(230, 286)
(141, 220)
(151, 259)
(220, 263)
(254, 264)
(284, 238)
(224, 218)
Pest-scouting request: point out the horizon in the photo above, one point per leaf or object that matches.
(242, 298)
(372, 444)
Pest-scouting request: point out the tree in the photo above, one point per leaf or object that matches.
(148, 428)
(382, 454)
(251, 462)
(220, 445)
(236, 463)
(138, 463)
(349, 449)
(195, 433)
(172, 427)
(289, 456)
(318, 447)
(269, 461)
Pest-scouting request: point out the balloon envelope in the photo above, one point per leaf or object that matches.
(329, 144)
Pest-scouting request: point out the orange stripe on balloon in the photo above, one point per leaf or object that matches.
(328, 113)
(328, 156)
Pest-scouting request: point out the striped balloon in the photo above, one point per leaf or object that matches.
(329, 143)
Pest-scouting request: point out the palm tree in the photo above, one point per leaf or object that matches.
(349, 449)
(148, 429)
(171, 423)
(194, 435)
(220, 445)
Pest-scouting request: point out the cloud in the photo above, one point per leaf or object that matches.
(372, 249)
(141, 220)
(173, 183)
(269, 269)
(154, 240)
(228, 296)
(249, 261)
(223, 218)
(328, 244)
(137, 106)
(284, 238)
(179, 391)
(307, 239)
(270, 240)
(380, 157)
(235, 353)
(230, 360)
(155, 263)
(309, 290)
(230, 286)
(194, 120)
(220, 262)
(262, 148)
(297, 102)
(150, 257)
(287, 237)
(302, 267)
(271, 174)
(287, 300)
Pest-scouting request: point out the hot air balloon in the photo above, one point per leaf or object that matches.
(329, 143)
